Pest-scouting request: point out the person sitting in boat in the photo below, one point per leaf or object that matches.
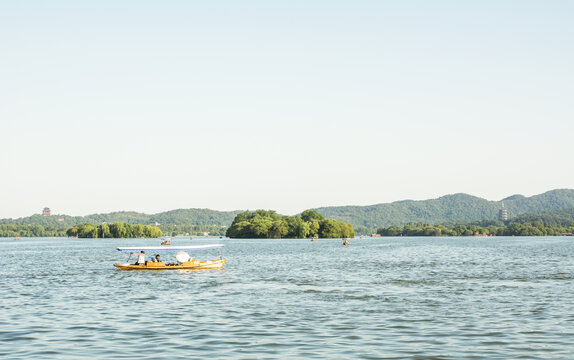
(141, 258)
(156, 259)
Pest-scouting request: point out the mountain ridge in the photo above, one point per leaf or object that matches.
(447, 208)
(193, 216)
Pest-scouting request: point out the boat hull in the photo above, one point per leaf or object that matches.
(196, 265)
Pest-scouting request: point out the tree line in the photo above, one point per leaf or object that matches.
(115, 230)
(31, 231)
(267, 224)
(88, 229)
(193, 230)
(534, 228)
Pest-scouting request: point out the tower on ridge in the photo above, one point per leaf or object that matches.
(503, 213)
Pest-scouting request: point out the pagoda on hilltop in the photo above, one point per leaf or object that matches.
(46, 212)
(503, 213)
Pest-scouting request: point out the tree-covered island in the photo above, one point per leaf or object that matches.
(267, 224)
(115, 230)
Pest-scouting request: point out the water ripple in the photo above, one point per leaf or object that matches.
(389, 298)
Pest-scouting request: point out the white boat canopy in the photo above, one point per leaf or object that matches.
(171, 248)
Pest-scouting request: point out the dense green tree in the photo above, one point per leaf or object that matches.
(87, 231)
(31, 231)
(115, 230)
(535, 228)
(268, 224)
(279, 229)
(118, 230)
(346, 230)
(391, 231)
(293, 226)
(314, 227)
(260, 226)
(330, 229)
(310, 215)
(104, 231)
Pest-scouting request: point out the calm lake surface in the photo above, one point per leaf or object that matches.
(441, 298)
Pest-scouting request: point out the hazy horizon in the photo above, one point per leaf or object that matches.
(55, 212)
(286, 105)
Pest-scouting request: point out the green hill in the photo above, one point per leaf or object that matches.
(448, 208)
(173, 217)
(563, 217)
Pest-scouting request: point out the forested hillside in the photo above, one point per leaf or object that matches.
(174, 222)
(173, 217)
(448, 208)
(564, 217)
(554, 207)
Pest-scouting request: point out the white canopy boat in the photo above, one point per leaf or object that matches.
(182, 258)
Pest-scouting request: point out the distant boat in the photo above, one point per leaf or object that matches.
(166, 240)
(346, 242)
(16, 238)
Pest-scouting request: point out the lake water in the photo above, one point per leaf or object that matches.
(441, 298)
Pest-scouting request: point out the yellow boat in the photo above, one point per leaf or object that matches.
(187, 265)
(183, 260)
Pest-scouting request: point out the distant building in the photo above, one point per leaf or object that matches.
(46, 212)
(503, 213)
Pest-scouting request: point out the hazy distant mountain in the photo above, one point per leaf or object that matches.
(448, 208)
(173, 217)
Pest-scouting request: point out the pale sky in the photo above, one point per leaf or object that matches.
(151, 106)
